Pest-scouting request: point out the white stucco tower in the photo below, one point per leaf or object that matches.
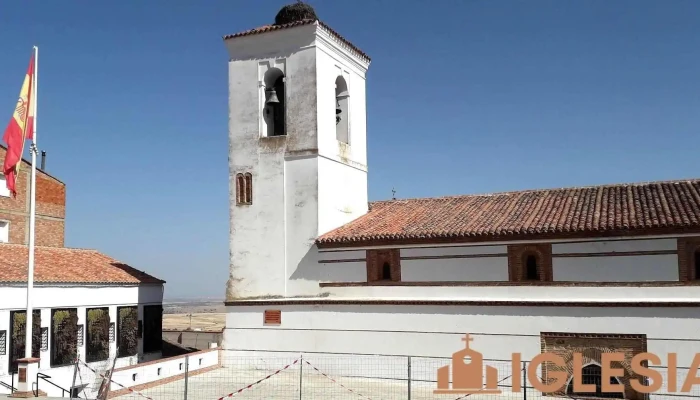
(297, 153)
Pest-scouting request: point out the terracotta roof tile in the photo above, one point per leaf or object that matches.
(271, 28)
(66, 265)
(608, 210)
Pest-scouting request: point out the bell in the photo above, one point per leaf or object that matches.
(272, 97)
(342, 95)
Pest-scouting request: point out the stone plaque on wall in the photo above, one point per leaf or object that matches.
(23, 375)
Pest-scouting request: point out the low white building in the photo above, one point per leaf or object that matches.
(85, 303)
(315, 268)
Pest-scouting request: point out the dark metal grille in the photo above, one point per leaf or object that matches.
(153, 328)
(592, 375)
(44, 338)
(81, 335)
(97, 340)
(127, 331)
(64, 336)
(18, 322)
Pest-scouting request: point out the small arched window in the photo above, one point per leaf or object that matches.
(275, 103)
(696, 262)
(342, 117)
(386, 272)
(248, 188)
(244, 188)
(531, 270)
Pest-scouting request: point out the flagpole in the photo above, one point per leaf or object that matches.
(29, 327)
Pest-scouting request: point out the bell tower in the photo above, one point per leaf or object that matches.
(297, 149)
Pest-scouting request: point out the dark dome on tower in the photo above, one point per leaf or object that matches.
(298, 11)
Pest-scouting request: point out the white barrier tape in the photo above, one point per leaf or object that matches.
(334, 381)
(253, 384)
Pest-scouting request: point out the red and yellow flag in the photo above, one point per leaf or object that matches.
(20, 128)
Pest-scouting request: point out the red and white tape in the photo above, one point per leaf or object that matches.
(253, 384)
(335, 381)
(116, 383)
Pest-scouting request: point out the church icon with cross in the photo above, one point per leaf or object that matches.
(468, 373)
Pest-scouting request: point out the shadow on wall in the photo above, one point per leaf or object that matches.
(191, 340)
(172, 349)
(309, 268)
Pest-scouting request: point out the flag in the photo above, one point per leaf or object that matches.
(20, 128)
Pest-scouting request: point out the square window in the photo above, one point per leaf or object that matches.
(4, 191)
(4, 231)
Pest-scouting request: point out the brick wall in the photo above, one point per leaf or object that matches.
(516, 260)
(50, 208)
(375, 262)
(591, 347)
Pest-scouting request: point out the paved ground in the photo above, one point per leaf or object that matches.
(285, 385)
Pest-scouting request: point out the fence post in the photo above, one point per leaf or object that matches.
(524, 380)
(72, 395)
(409, 377)
(187, 370)
(301, 374)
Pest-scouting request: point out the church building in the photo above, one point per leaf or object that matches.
(315, 267)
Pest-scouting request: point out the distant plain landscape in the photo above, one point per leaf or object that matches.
(195, 314)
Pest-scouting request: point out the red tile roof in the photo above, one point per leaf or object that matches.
(271, 28)
(668, 207)
(66, 265)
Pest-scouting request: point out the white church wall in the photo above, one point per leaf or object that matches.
(332, 62)
(258, 228)
(301, 224)
(342, 192)
(436, 331)
(270, 45)
(615, 268)
(515, 292)
(455, 264)
(592, 261)
(272, 243)
(624, 261)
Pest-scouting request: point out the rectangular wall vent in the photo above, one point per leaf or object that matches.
(273, 317)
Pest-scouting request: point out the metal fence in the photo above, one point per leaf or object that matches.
(297, 376)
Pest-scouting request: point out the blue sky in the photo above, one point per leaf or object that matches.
(463, 97)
